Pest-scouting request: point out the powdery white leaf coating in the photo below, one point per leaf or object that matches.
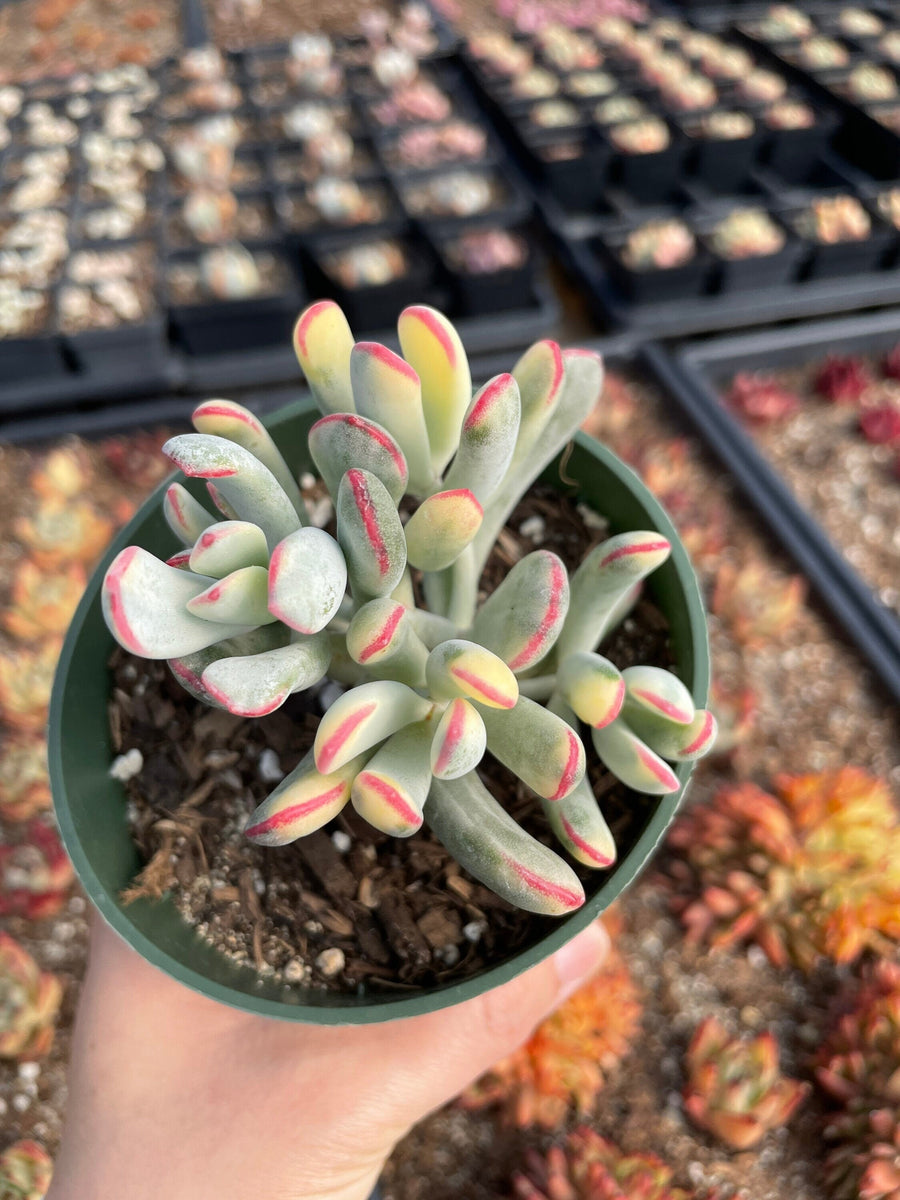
(256, 684)
(539, 375)
(432, 347)
(459, 741)
(344, 440)
(322, 343)
(189, 668)
(441, 528)
(487, 439)
(144, 603)
(391, 790)
(307, 579)
(624, 754)
(241, 597)
(370, 535)
(388, 391)
(581, 828)
(185, 516)
(484, 839)
(536, 744)
(521, 619)
(363, 717)
(227, 545)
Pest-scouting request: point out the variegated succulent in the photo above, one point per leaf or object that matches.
(423, 476)
(29, 1003)
(734, 1088)
(25, 1171)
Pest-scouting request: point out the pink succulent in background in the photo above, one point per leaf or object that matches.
(25, 1171)
(891, 364)
(859, 1069)
(734, 1088)
(24, 782)
(881, 424)
(29, 1003)
(760, 398)
(842, 379)
(43, 603)
(588, 1167)
(35, 874)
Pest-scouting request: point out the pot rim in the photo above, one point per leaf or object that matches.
(378, 1009)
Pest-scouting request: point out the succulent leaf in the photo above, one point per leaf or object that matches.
(677, 743)
(598, 586)
(539, 374)
(391, 790)
(624, 754)
(362, 718)
(441, 528)
(580, 827)
(593, 688)
(461, 668)
(322, 343)
(388, 392)
(228, 511)
(241, 598)
(521, 619)
(256, 684)
(370, 534)
(344, 440)
(487, 439)
(186, 517)
(307, 579)
(144, 603)
(538, 746)
(484, 839)
(189, 668)
(459, 741)
(225, 547)
(225, 419)
(303, 802)
(659, 694)
(248, 488)
(381, 637)
(433, 349)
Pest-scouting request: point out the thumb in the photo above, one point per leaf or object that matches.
(451, 1048)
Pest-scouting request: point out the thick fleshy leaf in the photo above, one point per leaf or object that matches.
(382, 639)
(344, 440)
(431, 627)
(241, 598)
(593, 688)
(441, 528)
(388, 391)
(228, 545)
(363, 717)
(186, 517)
(303, 802)
(228, 511)
(521, 619)
(181, 560)
(484, 839)
(658, 693)
(307, 579)
(538, 746)
(248, 488)
(188, 669)
(404, 593)
(433, 349)
(598, 586)
(461, 668)
(624, 754)
(391, 790)
(488, 439)
(539, 374)
(144, 606)
(224, 418)
(253, 685)
(678, 743)
(322, 343)
(580, 828)
(459, 741)
(370, 534)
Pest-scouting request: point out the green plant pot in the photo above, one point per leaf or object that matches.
(90, 806)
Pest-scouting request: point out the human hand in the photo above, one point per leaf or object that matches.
(173, 1095)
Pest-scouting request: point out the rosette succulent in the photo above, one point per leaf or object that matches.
(29, 1002)
(25, 1171)
(423, 475)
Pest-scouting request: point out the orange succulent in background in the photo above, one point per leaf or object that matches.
(735, 713)
(588, 1167)
(859, 1068)
(137, 459)
(63, 474)
(812, 872)
(35, 874)
(26, 679)
(755, 602)
(24, 782)
(59, 532)
(565, 1063)
(25, 1171)
(43, 602)
(734, 1088)
(29, 1003)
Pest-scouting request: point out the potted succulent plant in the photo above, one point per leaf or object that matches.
(256, 608)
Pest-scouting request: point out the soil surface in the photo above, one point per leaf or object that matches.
(345, 907)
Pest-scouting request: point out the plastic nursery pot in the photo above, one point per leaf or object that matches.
(723, 164)
(23, 359)
(830, 260)
(489, 291)
(758, 270)
(138, 347)
(792, 153)
(576, 182)
(90, 806)
(369, 307)
(655, 285)
(649, 177)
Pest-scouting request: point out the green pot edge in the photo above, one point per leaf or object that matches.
(421, 1002)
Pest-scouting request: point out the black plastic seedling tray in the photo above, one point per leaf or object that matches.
(694, 377)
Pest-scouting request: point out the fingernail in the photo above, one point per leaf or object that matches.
(579, 959)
